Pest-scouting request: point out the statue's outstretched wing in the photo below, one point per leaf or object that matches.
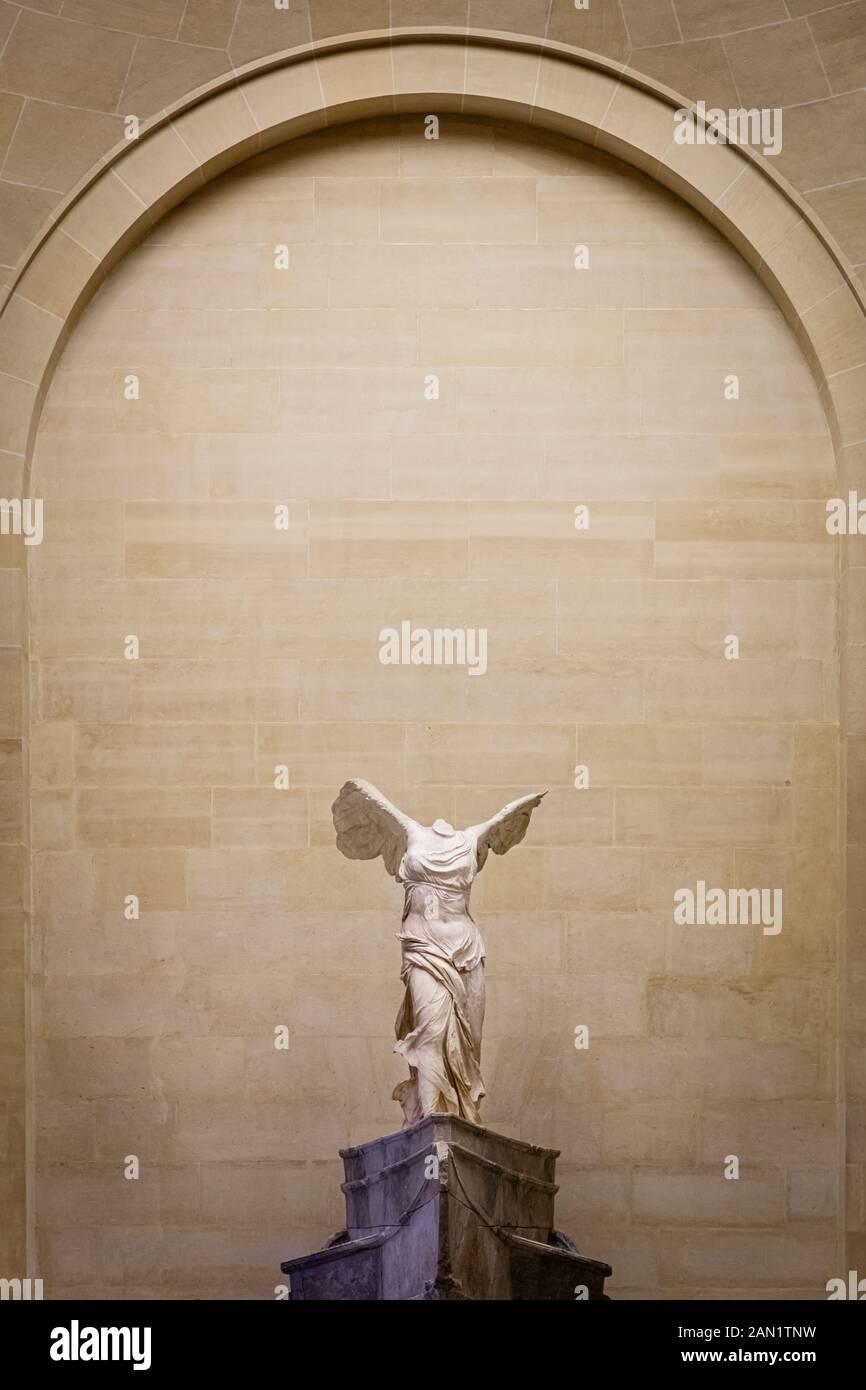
(367, 824)
(506, 829)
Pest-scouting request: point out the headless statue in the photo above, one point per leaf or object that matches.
(440, 1020)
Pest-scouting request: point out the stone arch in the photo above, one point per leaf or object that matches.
(545, 85)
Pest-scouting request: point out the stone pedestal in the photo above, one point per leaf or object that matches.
(448, 1210)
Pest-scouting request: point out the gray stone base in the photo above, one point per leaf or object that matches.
(448, 1210)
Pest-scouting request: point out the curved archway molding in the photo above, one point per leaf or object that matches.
(548, 85)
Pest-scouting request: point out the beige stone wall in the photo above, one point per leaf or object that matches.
(71, 70)
(14, 931)
(259, 648)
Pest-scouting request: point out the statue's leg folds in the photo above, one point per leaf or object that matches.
(424, 1047)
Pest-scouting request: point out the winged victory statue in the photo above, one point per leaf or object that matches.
(439, 1024)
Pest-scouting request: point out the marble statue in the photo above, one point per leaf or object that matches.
(439, 1023)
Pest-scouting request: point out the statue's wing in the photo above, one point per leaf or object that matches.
(506, 829)
(367, 824)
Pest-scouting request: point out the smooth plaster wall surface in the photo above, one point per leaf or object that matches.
(258, 648)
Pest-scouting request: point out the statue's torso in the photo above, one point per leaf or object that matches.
(437, 873)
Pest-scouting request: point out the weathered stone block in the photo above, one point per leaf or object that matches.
(448, 1210)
